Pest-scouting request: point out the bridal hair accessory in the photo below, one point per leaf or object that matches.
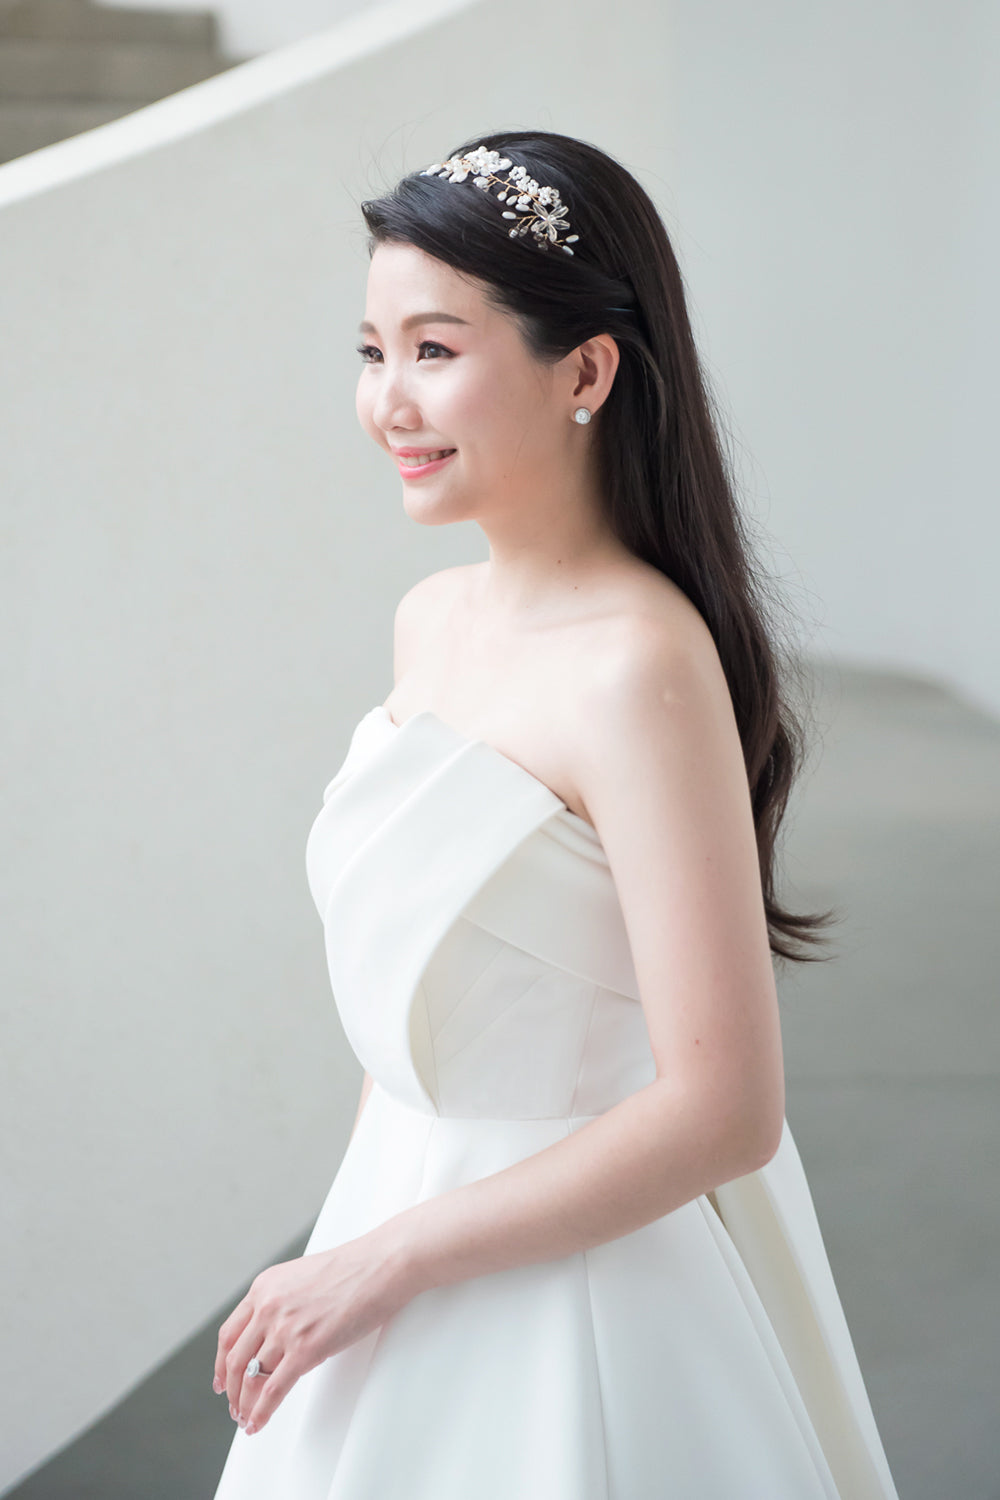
(253, 1367)
(539, 209)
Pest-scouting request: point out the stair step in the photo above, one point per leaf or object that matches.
(27, 126)
(81, 21)
(97, 71)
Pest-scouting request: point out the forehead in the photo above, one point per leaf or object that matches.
(404, 282)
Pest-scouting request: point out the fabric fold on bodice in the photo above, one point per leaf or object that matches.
(480, 963)
(475, 943)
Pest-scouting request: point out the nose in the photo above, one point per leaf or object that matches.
(394, 405)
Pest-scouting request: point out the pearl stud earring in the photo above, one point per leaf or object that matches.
(581, 414)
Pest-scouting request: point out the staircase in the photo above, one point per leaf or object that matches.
(67, 65)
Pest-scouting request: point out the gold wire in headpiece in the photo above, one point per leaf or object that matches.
(539, 209)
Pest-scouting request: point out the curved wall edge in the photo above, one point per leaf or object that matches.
(220, 98)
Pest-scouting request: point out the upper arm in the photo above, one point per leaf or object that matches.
(662, 775)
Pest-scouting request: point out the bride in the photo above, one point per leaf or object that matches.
(611, 668)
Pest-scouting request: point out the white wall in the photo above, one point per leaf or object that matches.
(202, 555)
(835, 174)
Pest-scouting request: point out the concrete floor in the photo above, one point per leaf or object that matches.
(892, 1053)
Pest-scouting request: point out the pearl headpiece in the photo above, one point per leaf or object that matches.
(539, 209)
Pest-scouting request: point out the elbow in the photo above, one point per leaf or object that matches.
(739, 1130)
(764, 1117)
(763, 1128)
(766, 1142)
(751, 1138)
(740, 1151)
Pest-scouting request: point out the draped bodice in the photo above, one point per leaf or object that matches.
(477, 949)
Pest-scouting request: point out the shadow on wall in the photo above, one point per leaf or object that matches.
(68, 65)
(167, 1439)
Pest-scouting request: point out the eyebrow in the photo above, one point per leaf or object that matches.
(415, 319)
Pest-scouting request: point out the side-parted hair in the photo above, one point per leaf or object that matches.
(665, 482)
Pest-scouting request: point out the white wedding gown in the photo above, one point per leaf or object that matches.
(480, 966)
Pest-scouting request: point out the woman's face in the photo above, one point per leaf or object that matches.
(459, 379)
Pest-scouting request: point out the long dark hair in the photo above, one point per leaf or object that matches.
(661, 469)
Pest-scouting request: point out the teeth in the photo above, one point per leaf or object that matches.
(425, 458)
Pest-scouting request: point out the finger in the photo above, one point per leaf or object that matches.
(255, 1385)
(249, 1341)
(272, 1391)
(228, 1334)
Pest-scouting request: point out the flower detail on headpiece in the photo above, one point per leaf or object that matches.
(539, 209)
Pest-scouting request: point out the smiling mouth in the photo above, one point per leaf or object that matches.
(425, 458)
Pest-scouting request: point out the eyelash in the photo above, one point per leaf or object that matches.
(364, 349)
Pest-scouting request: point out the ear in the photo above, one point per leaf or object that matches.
(592, 367)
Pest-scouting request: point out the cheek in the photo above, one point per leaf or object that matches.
(489, 408)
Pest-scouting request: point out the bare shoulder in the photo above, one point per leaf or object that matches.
(655, 675)
(422, 609)
(655, 727)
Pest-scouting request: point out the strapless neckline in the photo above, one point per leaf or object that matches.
(426, 713)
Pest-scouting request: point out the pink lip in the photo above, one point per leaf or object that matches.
(411, 471)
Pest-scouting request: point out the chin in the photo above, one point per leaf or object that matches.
(434, 511)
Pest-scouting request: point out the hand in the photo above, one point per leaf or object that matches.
(299, 1312)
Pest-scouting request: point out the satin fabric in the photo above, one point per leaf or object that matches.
(480, 965)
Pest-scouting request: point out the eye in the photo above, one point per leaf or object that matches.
(369, 349)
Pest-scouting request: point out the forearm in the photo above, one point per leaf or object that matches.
(638, 1161)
